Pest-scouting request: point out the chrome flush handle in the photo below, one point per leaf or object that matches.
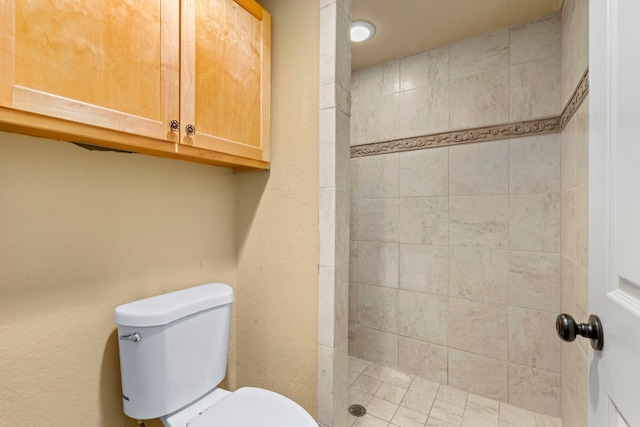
(135, 337)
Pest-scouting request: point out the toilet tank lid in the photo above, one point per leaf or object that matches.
(166, 308)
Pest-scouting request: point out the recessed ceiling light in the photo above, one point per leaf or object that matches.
(361, 31)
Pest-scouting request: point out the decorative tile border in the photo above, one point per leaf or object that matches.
(576, 100)
(464, 136)
(481, 134)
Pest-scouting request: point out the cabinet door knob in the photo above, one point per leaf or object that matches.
(190, 129)
(568, 329)
(174, 125)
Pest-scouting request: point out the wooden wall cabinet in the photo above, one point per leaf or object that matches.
(119, 74)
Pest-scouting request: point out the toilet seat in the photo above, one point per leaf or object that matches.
(251, 407)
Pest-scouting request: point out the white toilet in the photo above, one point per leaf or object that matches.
(173, 355)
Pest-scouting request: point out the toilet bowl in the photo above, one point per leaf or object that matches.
(245, 407)
(173, 354)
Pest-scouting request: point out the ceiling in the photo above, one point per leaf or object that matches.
(406, 27)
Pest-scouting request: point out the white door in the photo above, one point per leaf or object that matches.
(614, 210)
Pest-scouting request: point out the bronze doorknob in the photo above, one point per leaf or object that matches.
(568, 329)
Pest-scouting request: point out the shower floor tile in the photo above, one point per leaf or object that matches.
(397, 399)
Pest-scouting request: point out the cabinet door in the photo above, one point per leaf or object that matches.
(225, 75)
(111, 64)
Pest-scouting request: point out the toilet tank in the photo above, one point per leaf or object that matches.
(173, 348)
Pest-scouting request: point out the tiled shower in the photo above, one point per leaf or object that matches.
(463, 254)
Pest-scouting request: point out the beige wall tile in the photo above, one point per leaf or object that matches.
(534, 280)
(582, 296)
(423, 359)
(568, 155)
(334, 148)
(375, 220)
(535, 89)
(424, 69)
(343, 46)
(378, 308)
(325, 383)
(582, 225)
(333, 95)
(534, 164)
(479, 274)
(353, 302)
(423, 316)
(582, 142)
(476, 169)
(343, 225)
(328, 15)
(353, 333)
(574, 386)
(536, 40)
(575, 44)
(487, 52)
(424, 172)
(482, 375)
(568, 238)
(423, 220)
(340, 379)
(489, 334)
(354, 220)
(377, 81)
(376, 119)
(424, 268)
(534, 222)
(353, 261)
(480, 99)
(378, 264)
(479, 221)
(334, 220)
(377, 346)
(568, 297)
(375, 176)
(424, 110)
(333, 305)
(532, 339)
(332, 382)
(534, 389)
